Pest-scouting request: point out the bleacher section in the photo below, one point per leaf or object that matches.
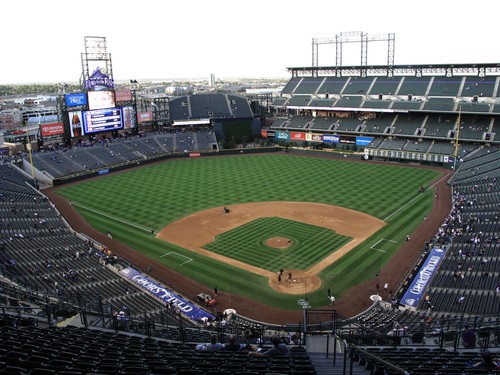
(380, 104)
(467, 280)
(445, 86)
(299, 101)
(323, 123)
(474, 107)
(239, 107)
(279, 122)
(385, 85)
(439, 126)
(333, 85)
(407, 105)
(393, 144)
(416, 86)
(204, 106)
(408, 124)
(208, 105)
(412, 100)
(322, 102)
(349, 124)
(278, 102)
(378, 125)
(479, 86)
(105, 154)
(443, 148)
(72, 350)
(358, 86)
(299, 122)
(474, 127)
(351, 101)
(40, 252)
(308, 85)
(417, 146)
(440, 105)
(291, 85)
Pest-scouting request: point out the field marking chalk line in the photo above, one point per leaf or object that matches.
(110, 216)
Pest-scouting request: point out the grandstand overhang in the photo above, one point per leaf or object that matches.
(449, 70)
(203, 121)
(343, 109)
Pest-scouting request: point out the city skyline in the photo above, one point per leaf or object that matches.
(158, 40)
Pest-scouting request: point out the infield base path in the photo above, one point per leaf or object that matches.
(196, 230)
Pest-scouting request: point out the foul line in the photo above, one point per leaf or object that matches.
(173, 252)
(375, 244)
(415, 198)
(111, 217)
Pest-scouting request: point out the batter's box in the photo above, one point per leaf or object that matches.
(177, 258)
(383, 245)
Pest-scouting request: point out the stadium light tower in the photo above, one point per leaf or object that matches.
(354, 37)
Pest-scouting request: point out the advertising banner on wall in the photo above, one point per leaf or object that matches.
(152, 287)
(330, 138)
(123, 96)
(418, 286)
(76, 123)
(129, 117)
(363, 141)
(282, 135)
(75, 100)
(50, 130)
(144, 117)
(347, 139)
(314, 137)
(298, 136)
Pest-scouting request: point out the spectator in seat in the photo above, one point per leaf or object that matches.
(233, 346)
(278, 349)
(487, 362)
(212, 346)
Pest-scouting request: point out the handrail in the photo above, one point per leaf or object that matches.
(398, 369)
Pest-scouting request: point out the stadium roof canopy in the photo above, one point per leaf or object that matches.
(398, 70)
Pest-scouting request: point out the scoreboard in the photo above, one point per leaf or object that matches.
(101, 120)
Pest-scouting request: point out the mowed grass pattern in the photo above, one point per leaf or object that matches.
(153, 196)
(310, 244)
(156, 195)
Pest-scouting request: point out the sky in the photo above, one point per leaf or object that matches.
(42, 41)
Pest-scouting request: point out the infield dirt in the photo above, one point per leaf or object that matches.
(201, 228)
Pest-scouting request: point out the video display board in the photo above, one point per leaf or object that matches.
(101, 99)
(123, 96)
(101, 120)
(76, 100)
(128, 117)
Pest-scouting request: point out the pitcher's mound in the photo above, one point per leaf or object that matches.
(279, 242)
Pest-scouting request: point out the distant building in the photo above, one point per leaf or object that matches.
(211, 80)
(11, 119)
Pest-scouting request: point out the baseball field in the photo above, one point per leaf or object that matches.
(327, 223)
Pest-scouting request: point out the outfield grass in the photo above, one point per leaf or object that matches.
(132, 204)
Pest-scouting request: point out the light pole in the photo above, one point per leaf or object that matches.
(28, 147)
